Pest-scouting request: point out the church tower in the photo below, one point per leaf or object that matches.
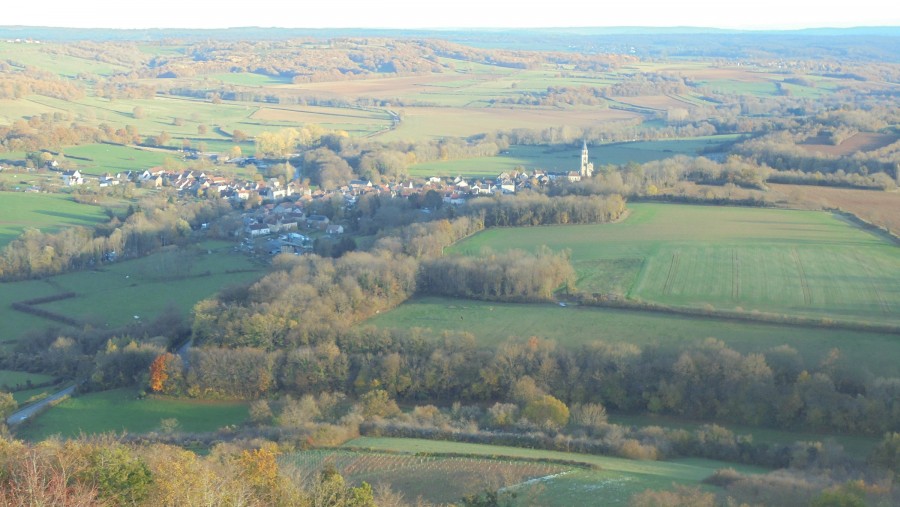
(587, 168)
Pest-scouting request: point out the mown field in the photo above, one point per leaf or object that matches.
(562, 158)
(47, 212)
(492, 323)
(121, 410)
(613, 483)
(752, 259)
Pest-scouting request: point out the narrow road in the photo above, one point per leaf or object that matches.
(25, 413)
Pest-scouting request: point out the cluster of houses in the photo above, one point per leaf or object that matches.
(282, 206)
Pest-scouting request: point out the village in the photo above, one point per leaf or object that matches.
(273, 208)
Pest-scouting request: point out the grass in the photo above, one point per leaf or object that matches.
(97, 159)
(492, 323)
(617, 479)
(13, 379)
(47, 212)
(567, 158)
(778, 261)
(120, 410)
(113, 296)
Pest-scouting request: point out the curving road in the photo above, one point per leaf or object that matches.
(22, 415)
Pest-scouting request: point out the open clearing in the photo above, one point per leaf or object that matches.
(47, 212)
(752, 259)
(615, 482)
(120, 410)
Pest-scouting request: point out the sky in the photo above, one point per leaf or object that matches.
(739, 14)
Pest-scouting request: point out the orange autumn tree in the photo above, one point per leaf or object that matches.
(164, 368)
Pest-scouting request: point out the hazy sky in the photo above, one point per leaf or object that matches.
(749, 14)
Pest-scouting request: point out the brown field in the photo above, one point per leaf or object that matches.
(316, 115)
(877, 207)
(435, 122)
(863, 141)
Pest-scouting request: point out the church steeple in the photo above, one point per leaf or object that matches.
(587, 168)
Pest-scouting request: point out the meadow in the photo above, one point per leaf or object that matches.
(47, 212)
(789, 262)
(567, 158)
(573, 326)
(113, 295)
(614, 480)
(121, 410)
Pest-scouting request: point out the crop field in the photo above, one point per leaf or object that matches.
(121, 410)
(47, 212)
(492, 323)
(777, 261)
(860, 142)
(249, 79)
(879, 208)
(355, 121)
(614, 481)
(561, 158)
(435, 479)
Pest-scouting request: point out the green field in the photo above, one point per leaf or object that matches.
(778, 261)
(19, 378)
(47, 212)
(97, 159)
(567, 158)
(613, 484)
(120, 410)
(113, 295)
(573, 326)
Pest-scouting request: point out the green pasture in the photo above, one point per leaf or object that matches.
(46, 212)
(97, 159)
(121, 410)
(568, 158)
(751, 259)
(12, 379)
(115, 294)
(727, 86)
(572, 326)
(13, 324)
(616, 480)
